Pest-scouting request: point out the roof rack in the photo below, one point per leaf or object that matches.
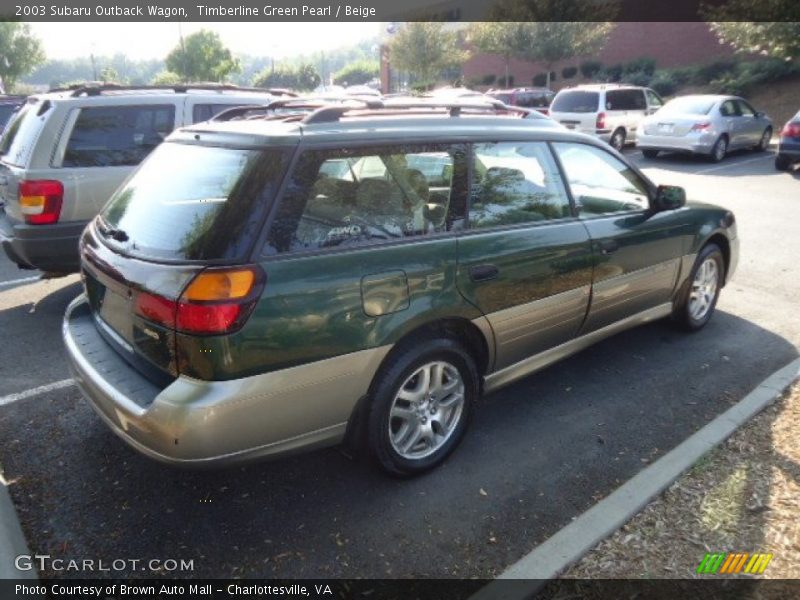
(329, 114)
(91, 89)
(294, 104)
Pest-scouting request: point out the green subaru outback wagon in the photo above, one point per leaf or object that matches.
(363, 274)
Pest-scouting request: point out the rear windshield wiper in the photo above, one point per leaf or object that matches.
(112, 232)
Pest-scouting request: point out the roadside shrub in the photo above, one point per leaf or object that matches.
(357, 73)
(590, 68)
(569, 72)
(489, 79)
(502, 82)
(612, 73)
(553, 76)
(745, 76)
(715, 70)
(664, 83)
(639, 78)
(643, 64)
(540, 80)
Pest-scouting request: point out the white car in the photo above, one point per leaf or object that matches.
(611, 112)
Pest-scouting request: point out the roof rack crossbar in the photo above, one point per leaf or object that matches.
(328, 114)
(89, 89)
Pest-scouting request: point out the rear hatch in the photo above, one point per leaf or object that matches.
(166, 260)
(576, 109)
(16, 146)
(673, 124)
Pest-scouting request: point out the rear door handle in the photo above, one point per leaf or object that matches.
(483, 272)
(608, 246)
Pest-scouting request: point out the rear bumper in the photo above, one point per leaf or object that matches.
(693, 144)
(789, 149)
(45, 247)
(212, 423)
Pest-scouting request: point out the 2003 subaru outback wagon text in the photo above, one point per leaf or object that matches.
(363, 274)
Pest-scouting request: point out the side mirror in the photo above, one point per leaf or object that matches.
(669, 197)
(760, 115)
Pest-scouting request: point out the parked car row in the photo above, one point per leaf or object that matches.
(297, 272)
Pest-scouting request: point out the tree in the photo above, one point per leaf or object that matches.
(166, 78)
(559, 29)
(202, 57)
(357, 73)
(507, 39)
(425, 49)
(20, 52)
(110, 75)
(303, 77)
(770, 27)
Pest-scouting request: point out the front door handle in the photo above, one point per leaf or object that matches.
(608, 246)
(483, 272)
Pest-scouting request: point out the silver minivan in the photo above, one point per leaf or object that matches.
(611, 112)
(65, 152)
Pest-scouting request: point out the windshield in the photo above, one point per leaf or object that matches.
(190, 202)
(688, 106)
(6, 110)
(576, 102)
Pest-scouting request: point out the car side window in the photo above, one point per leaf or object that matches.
(745, 109)
(601, 183)
(654, 99)
(343, 198)
(625, 100)
(728, 109)
(113, 136)
(514, 183)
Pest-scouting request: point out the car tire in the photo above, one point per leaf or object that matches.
(617, 140)
(651, 154)
(782, 163)
(699, 298)
(414, 423)
(719, 150)
(763, 143)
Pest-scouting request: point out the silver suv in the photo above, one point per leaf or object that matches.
(65, 152)
(611, 112)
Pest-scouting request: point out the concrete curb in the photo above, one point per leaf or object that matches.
(12, 541)
(566, 547)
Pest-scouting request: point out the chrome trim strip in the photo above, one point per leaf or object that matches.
(539, 361)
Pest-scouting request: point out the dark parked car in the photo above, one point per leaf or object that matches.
(538, 98)
(8, 106)
(365, 273)
(789, 145)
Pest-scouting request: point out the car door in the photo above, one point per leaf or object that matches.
(752, 127)
(636, 253)
(524, 259)
(654, 101)
(735, 125)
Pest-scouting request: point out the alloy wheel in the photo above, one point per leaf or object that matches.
(704, 289)
(426, 410)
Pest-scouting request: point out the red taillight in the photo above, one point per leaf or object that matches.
(703, 126)
(601, 121)
(216, 301)
(791, 130)
(40, 201)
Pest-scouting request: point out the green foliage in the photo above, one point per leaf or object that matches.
(505, 82)
(664, 83)
(639, 78)
(425, 50)
(590, 68)
(58, 72)
(20, 52)
(553, 76)
(540, 80)
(166, 78)
(302, 77)
(770, 27)
(110, 75)
(489, 79)
(714, 70)
(611, 73)
(746, 76)
(202, 57)
(357, 73)
(643, 65)
(569, 72)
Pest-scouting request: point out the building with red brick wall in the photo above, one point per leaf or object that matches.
(670, 44)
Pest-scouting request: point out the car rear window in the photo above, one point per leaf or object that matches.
(192, 202)
(576, 102)
(22, 132)
(116, 136)
(688, 106)
(6, 110)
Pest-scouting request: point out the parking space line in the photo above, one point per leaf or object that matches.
(16, 281)
(42, 389)
(725, 166)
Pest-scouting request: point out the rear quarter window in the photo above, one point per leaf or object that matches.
(113, 136)
(576, 102)
(22, 131)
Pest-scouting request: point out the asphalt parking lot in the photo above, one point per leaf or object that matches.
(539, 452)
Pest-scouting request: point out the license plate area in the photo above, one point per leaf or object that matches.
(116, 312)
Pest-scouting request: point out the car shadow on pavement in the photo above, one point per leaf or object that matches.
(538, 453)
(739, 163)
